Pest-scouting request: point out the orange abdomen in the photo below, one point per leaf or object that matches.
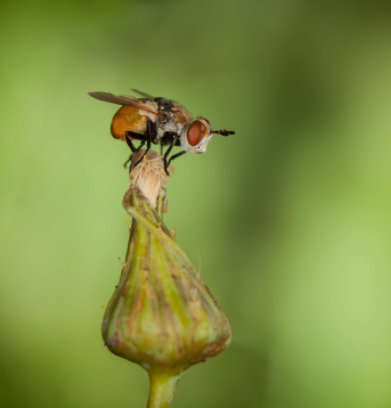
(127, 119)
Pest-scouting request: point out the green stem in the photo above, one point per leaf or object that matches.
(162, 388)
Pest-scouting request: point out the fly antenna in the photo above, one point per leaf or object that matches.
(223, 132)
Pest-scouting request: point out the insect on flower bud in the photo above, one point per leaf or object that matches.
(161, 315)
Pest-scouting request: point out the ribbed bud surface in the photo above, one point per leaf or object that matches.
(161, 315)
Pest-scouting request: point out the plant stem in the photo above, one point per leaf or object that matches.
(162, 388)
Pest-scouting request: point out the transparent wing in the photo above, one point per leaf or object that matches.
(109, 97)
(142, 93)
(122, 100)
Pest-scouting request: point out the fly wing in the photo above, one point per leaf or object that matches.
(123, 100)
(142, 93)
(180, 113)
(109, 97)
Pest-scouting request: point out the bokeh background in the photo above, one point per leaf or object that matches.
(288, 221)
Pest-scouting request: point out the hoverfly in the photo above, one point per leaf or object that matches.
(157, 120)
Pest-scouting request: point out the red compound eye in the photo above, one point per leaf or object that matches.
(195, 133)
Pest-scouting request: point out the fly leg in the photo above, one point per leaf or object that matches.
(150, 136)
(173, 142)
(132, 147)
(173, 157)
(168, 151)
(128, 136)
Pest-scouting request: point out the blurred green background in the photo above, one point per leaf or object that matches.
(288, 221)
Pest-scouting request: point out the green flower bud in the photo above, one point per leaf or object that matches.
(161, 315)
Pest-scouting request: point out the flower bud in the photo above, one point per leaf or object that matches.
(161, 315)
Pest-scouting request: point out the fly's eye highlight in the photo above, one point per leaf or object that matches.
(195, 133)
